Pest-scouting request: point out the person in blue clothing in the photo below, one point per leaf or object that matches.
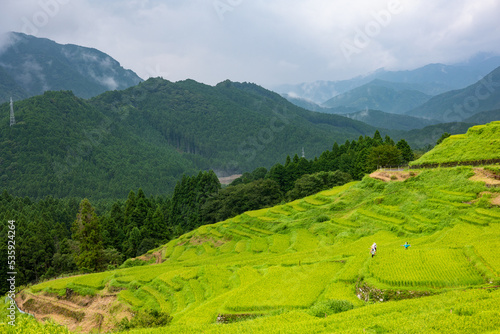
(406, 245)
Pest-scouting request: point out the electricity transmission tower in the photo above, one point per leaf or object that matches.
(12, 118)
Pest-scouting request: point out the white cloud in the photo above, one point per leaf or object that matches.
(267, 42)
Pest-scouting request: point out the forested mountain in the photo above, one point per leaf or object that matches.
(382, 119)
(376, 95)
(431, 79)
(30, 65)
(484, 117)
(231, 127)
(149, 135)
(310, 105)
(63, 146)
(457, 105)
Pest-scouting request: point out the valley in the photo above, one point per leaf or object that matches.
(364, 205)
(305, 264)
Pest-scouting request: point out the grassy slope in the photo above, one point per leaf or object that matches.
(481, 142)
(282, 260)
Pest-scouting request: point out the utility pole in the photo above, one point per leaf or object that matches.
(12, 118)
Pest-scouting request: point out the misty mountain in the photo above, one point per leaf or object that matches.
(484, 117)
(380, 96)
(431, 79)
(310, 105)
(380, 119)
(457, 105)
(30, 66)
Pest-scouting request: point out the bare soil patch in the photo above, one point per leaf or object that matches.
(202, 240)
(388, 176)
(483, 175)
(496, 200)
(78, 313)
(148, 256)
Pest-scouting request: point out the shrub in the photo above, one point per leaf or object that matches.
(322, 218)
(330, 306)
(135, 263)
(144, 319)
(312, 183)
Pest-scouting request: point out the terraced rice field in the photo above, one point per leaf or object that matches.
(277, 263)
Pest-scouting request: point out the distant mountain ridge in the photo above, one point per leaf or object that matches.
(30, 66)
(310, 105)
(431, 79)
(379, 95)
(458, 105)
(380, 119)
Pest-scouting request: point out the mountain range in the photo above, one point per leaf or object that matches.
(457, 105)
(380, 95)
(380, 119)
(149, 134)
(30, 66)
(396, 99)
(431, 79)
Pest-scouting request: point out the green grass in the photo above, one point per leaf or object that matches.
(424, 267)
(289, 287)
(130, 298)
(280, 262)
(481, 142)
(280, 243)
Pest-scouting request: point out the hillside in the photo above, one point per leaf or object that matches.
(63, 146)
(150, 134)
(30, 66)
(290, 266)
(457, 105)
(380, 119)
(309, 105)
(376, 95)
(431, 79)
(484, 117)
(428, 136)
(481, 142)
(232, 126)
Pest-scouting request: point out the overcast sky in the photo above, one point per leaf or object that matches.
(268, 42)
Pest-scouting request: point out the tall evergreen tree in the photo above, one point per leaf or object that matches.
(129, 209)
(406, 151)
(383, 155)
(377, 138)
(86, 231)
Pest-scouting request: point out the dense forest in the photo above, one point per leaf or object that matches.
(151, 134)
(57, 236)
